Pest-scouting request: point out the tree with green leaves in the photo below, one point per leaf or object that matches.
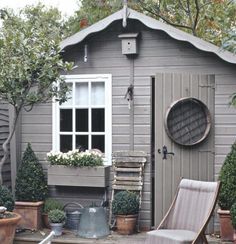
(209, 20)
(229, 43)
(30, 61)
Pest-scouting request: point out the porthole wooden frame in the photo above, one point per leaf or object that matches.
(187, 121)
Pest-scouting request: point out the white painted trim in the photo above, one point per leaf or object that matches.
(107, 79)
(108, 118)
(54, 125)
(87, 77)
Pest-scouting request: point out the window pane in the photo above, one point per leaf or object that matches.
(69, 97)
(82, 120)
(66, 143)
(82, 142)
(98, 94)
(98, 142)
(65, 119)
(81, 94)
(98, 120)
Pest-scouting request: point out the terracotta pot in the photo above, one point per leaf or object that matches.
(45, 220)
(226, 227)
(31, 213)
(7, 229)
(126, 224)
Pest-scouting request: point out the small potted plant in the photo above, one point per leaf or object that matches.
(50, 204)
(233, 217)
(57, 219)
(31, 190)
(125, 207)
(227, 194)
(8, 219)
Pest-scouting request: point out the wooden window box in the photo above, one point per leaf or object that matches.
(60, 175)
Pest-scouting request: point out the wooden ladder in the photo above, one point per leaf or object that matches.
(128, 169)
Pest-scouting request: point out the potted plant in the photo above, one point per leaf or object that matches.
(31, 190)
(227, 194)
(76, 168)
(50, 204)
(125, 207)
(57, 219)
(233, 217)
(8, 219)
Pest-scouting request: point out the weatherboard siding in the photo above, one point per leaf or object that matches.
(225, 118)
(36, 128)
(157, 53)
(4, 132)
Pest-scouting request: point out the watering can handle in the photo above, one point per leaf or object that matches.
(73, 203)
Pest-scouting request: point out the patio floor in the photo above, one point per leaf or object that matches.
(29, 237)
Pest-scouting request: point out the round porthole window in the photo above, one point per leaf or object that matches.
(188, 121)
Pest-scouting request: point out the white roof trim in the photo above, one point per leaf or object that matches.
(153, 24)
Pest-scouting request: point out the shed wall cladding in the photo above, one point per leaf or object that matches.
(157, 53)
(4, 132)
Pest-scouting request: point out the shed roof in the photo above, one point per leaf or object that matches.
(153, 24)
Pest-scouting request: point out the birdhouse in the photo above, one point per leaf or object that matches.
(129, 43)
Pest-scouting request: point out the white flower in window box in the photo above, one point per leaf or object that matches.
(76, 168)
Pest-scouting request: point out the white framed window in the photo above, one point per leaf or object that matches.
(85, 119)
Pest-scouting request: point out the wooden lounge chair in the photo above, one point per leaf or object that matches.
(187, 218)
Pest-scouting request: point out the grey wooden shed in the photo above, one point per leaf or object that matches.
(157, 67)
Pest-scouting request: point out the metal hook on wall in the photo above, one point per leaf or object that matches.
(86, 53)
(129, 94)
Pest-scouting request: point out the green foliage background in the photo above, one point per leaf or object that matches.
(50, 204)
(30, 57)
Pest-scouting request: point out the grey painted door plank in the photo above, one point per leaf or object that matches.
(190, 162)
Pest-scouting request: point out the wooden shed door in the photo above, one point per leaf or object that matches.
(194, 162)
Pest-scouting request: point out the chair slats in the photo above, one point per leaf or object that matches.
(128, 168)
(127, 187)
(130, 183)
(127, 178)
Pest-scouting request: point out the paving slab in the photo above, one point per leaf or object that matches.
(68, 237)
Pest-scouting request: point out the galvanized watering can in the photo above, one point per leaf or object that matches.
(93, 223)
(73, 215)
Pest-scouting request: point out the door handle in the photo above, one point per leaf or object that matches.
(165, 152)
